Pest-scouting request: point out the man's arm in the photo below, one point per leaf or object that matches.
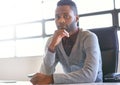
(91, 65)
(40, 78)
(50, 60)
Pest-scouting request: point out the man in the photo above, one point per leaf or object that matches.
(77, 50)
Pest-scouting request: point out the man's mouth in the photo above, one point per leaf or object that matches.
(62, 27)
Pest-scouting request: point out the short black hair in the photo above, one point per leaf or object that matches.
(70, 3)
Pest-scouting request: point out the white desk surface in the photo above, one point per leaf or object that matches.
(12, 82)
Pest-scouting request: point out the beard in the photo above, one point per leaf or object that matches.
(68, 27)
(71, 27)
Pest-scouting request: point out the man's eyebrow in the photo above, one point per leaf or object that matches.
(62, 14)
(65, 12)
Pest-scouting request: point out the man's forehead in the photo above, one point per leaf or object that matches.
(63, 9)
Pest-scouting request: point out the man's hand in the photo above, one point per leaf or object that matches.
(39, 79)
(57, 37)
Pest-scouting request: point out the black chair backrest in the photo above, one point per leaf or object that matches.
(108, 41)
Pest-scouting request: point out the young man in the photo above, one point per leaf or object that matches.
(77, 50)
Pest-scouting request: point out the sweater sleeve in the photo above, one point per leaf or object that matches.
(49, 61)
(91, 64)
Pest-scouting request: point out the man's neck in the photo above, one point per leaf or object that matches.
(74, 32)
(68, 42)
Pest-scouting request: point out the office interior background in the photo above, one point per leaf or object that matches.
(25, 26)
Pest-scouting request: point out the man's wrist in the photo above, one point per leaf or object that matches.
(52, 79)
(51, 49)
(49, 79)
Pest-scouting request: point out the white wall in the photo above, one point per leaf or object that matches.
(18, 68)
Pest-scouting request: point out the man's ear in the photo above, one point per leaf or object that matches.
(77, 18)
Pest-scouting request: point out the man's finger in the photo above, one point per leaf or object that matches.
(66, 33)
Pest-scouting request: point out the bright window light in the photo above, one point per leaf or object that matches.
(19, 11)
(21, 23)
(28, 30)
(7, 32)
(28, 10)
(30, 47)
(87, 6)
(96, 21)
(7, 49)
(117, 3)
(50, 27)
(7, 12)
(49, 7)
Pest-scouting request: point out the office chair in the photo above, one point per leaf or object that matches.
(108, 41)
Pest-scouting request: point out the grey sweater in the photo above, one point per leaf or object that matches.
(83, 65)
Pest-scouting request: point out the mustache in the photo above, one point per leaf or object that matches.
(66, 28)
(62, 27)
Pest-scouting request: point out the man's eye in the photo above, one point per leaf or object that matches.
(66, 16)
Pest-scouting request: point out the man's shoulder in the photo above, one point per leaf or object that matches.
(86, 32)
(50, 38)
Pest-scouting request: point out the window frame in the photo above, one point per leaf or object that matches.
(115, 20)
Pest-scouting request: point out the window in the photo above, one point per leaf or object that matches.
(27, 10)
(19, 11)
(28, 30)
(49, 8)
(96, 21)
(30, 47)
(88, 6)
(28, 41)
(7, 49)
(6, 32)
(117, 2)
(50, 27)
(25, 25)
(7, 12)
(20, 28)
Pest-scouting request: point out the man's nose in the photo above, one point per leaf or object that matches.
(61, 20)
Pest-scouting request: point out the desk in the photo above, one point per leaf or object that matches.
(28, 83)
(12, 82)
(97, 84)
